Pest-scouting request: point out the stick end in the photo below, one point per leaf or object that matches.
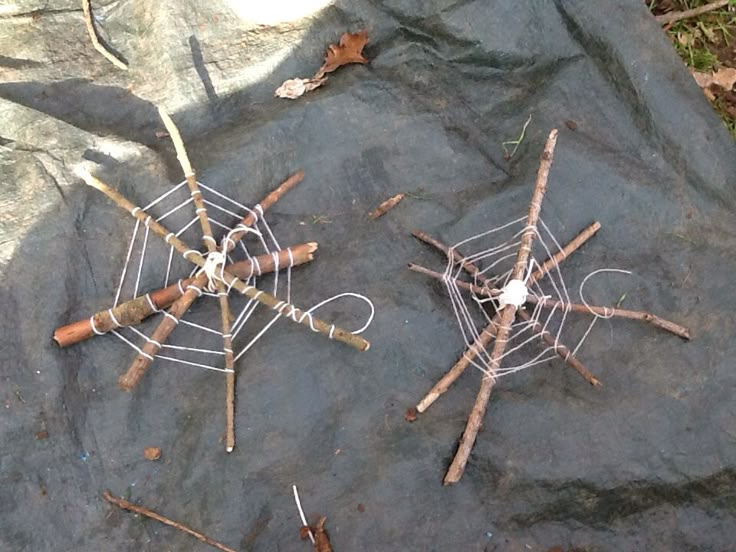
(229, 448)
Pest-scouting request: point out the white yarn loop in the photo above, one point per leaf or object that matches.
(513, 293)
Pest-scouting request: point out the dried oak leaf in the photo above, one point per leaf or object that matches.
(724, 77)
(349, 50)
(294, 88)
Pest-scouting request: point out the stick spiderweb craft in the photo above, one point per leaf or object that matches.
(230, 264)
(513, 303)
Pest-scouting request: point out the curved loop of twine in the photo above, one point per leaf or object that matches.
(585, 280)
(349, 294)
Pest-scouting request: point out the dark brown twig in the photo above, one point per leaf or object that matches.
(125, 505)
(457, 467)
(94, 37)
(673, 17)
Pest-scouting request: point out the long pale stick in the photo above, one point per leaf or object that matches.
(457, 467)
(211, 244)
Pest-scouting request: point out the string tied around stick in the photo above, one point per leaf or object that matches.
(213, 269)
(513, 293)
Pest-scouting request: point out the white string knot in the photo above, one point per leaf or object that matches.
(513, 293)
(213, 268)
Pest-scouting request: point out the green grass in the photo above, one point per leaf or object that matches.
(701, 40)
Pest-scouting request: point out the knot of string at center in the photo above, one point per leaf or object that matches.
(213, 268)
(513, 293)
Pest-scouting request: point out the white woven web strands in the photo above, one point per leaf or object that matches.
(172, 208)
(495, 252)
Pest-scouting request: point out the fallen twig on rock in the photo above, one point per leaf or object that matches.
(94, 37)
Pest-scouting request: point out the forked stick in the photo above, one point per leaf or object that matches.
(457, 467)
(136, 310)
(489, 332)
(125, 505)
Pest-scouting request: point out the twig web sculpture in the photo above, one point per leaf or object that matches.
(513, 302)
(228, 264)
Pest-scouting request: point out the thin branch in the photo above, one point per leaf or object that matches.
(607, 312)
(125, 505)
(94, 37)
(673, 17)
(136, 310)
(457, 467)
(211, 244)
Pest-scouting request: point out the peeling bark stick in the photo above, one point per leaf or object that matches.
(136, 310)
(94, 37)
(457, 467)
(125, 505)
(489, 332)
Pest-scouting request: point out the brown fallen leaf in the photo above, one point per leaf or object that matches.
(321, 539)
(152, 453)
(349, 50)
(294, 88)
(724, 78)
(411, 414)
(304, 532)
(41, 435)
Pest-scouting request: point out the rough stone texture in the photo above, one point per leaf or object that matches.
(646, 463)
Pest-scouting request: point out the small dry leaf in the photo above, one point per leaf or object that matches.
(41, 435)
(411, 414)
(321, 539)
(294, 88)
(350, 50)
(724, 77)
(152, 453)
(304, 532)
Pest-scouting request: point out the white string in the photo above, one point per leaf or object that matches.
(301, 513)
(172, 202)
(495, 258)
